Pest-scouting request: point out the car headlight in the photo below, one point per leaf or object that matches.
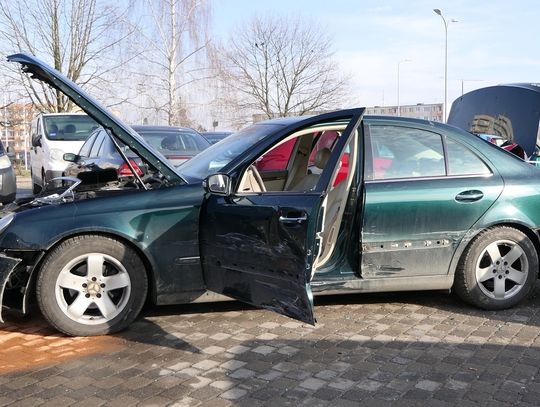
(6, 220)
(56, 154)
(4, 162)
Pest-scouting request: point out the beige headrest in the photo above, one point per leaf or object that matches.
(322, 156)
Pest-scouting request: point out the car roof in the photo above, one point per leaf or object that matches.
(148, 127)
(285, 121)
(294, 119)
(64, 114)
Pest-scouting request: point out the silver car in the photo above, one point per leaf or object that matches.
(8, 183)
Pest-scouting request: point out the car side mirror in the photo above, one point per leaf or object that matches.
(70, 157)
(36, 140)
(219, 184)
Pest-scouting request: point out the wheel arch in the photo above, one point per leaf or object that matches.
(147, 261)
(487, 296)
(530, 232)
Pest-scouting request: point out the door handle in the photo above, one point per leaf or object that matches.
(299, 219)
(472, 195)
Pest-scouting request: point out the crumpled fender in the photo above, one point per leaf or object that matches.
(7, 266)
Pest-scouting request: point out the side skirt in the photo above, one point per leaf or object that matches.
(333, 287)
(376, 285)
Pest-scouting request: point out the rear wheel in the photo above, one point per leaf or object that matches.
(498, 269)
(91, 285)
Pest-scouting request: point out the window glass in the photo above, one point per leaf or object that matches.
(85, 149)
(462, 161)
(404, 152)
(216, 157)
(298, 163)
(177, 141)
(101, 149)
(327, 140)
(277, 158)
(97, 144)
(69, 127)
(343, 164)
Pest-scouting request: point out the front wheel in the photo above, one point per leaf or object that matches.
(498, 269)
(91, 285)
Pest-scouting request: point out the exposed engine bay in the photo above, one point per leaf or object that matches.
(70, 189)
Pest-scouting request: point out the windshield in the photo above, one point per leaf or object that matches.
(69, 127)
(216, 157)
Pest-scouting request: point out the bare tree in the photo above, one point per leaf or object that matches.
(283, 66)
(176, 48)
(77, 36)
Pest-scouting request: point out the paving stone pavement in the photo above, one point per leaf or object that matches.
(406, 349)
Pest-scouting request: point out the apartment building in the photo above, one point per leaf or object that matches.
(433, 111)
(15, 119)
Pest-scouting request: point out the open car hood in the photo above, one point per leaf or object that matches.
(43, 72)
(509, 111)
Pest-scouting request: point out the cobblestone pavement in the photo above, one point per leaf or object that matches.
(405, 348)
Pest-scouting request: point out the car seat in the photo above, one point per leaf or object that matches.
(53, 129)
(309, 182)
(70, 129)
(169, 143)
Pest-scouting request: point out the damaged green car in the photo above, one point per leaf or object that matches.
(335, 203)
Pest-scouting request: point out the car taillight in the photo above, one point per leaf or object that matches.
(125, 171)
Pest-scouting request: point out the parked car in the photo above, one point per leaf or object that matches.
(8, 182)
(445, 211)
(53, 135)
(99, 161)
(177, 144)
(214, 136)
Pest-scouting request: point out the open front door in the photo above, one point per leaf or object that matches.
(259, 245)
(259, 249)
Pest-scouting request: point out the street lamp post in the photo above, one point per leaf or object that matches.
(398, 107)
(439, 12)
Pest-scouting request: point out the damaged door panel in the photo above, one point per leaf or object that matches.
(413, 217)
(260, 251)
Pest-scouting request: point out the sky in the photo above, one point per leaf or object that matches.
(492, 42)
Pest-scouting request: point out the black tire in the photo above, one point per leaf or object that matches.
(490, 275)
(35, 187)
(73, 302)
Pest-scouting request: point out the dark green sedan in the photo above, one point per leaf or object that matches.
(280, 210)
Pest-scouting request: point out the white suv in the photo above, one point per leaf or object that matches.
(53, 135)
